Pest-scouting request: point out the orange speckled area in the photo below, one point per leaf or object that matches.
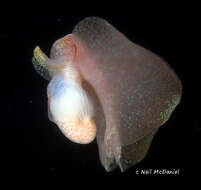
(82, 132)
(64, 47)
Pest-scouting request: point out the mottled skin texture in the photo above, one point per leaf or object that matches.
(133, 86)
(133, 90)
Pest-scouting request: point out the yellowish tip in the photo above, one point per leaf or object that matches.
(39, 55)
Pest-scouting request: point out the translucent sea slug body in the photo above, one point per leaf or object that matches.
(71, 110)
(105, 86)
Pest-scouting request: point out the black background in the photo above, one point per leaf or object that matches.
(33, 147)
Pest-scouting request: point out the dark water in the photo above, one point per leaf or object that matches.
(32, 146)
